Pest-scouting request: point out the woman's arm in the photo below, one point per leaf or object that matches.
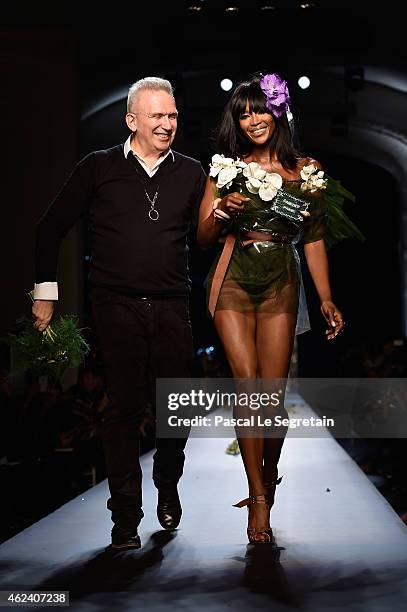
(317, 261)
(209, 226)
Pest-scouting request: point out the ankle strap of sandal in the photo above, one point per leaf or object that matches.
(259, 499)
(252, 499)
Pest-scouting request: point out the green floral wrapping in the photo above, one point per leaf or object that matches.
(339, 226)
(258, 214)
(327, 218)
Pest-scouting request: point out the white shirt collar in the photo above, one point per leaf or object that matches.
(127, 148)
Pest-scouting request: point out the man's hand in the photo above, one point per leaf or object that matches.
(42, 311)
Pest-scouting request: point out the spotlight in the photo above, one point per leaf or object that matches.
(304, 82)
(307, 5)
(267, 6)
(226, 84)
(231, 6)
(195, 6)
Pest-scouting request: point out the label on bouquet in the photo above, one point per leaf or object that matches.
(289, 206)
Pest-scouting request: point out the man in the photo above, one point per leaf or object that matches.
(139, 199)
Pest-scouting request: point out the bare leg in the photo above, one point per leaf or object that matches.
(274, 344)
(237, 332)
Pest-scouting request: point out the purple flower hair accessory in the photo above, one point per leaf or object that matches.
(276, 92)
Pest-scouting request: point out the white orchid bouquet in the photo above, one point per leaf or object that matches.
(225, 169)
(258, 181)
(313, 179)
(262, 183)
(268, 186)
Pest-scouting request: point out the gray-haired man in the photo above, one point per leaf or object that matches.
(139, 199)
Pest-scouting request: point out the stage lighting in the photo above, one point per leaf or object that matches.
(304, 82)
(195, 6)
(226, 84)
(231, 6)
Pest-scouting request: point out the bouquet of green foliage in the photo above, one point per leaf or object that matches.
(59, 347)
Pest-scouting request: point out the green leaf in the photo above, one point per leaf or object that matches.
(60, 347)
(339, 226)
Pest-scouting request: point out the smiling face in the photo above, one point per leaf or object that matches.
(152, 118)
(257, 127)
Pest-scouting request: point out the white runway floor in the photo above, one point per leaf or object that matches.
(339, 549)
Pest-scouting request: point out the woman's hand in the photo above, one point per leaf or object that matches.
(213, 213)
(230, 205)
(334, 318)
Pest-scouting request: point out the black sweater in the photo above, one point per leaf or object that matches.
(129, 252)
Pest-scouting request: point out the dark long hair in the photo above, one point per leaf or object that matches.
(230, 139)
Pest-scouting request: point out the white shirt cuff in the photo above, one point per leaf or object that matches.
(46, 291)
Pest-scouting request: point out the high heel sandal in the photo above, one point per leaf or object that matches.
(253, 531)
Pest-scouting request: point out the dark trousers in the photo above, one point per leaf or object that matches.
(140, 339)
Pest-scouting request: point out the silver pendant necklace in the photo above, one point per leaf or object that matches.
(153, 213)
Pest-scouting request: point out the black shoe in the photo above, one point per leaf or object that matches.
(125, 535)
(129, 542)
(169, 509)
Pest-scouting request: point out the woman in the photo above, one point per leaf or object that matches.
(255, 288)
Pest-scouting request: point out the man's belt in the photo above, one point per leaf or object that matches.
(248, 238)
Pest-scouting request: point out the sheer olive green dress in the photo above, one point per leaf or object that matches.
(265, 276)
